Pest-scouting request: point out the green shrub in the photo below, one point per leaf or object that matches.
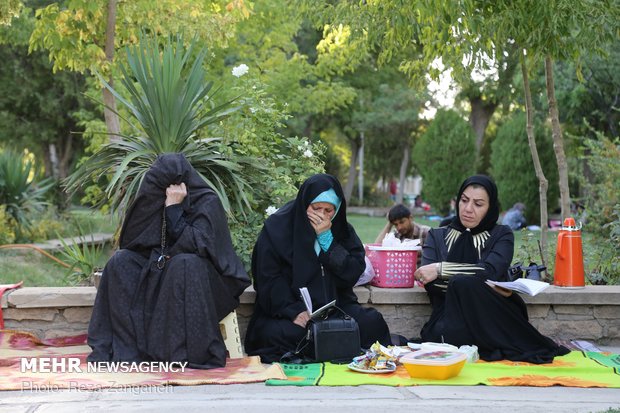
(253, 132)
(602, 187)
(7, 231)
(22, 190)
(602, 207)
(45, 226)
(444, 155)
(513, 169)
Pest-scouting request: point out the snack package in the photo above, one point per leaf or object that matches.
(379, 358)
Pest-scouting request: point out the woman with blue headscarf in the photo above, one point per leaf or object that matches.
(307, 243)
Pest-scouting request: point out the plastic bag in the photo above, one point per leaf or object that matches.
(367, 275)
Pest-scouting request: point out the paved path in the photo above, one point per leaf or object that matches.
(56, 244)
(259, 398)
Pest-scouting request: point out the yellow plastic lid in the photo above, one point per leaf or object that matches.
(433, 357)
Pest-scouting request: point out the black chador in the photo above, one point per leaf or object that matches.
(286, 257)
(173, 279)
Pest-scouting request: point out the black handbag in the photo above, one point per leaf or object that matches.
(335, 338)
(533, 272)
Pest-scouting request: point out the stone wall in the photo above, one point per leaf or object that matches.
(591, 313)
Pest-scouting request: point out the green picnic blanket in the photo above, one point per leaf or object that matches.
(576, 369)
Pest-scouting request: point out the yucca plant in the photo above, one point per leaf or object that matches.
(22, 191)
(169, 102)
(83, 258)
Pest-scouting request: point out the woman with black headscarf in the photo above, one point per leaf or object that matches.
(307, 243)
(175, 276)
(457, 260)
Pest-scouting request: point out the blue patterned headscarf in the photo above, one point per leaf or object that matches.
(330, 197)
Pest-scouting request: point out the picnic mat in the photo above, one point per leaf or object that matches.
(576, 369)
(16, 346)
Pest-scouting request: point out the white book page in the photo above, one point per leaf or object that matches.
(305, 295)
(522, 285)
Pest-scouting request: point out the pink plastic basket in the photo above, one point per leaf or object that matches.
(393, 268)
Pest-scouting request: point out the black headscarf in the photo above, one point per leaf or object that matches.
(208, 234)
(463, 250)
(292, 235)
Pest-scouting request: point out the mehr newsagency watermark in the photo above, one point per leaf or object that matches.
(61, 365)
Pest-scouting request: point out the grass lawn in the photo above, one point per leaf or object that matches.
(37, 270)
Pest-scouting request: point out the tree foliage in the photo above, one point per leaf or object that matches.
(444, 156)
(511, 167)
(73, 32)
(8, 10)
(39, 111)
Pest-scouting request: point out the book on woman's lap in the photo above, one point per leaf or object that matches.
(521, 285)
(305, 295)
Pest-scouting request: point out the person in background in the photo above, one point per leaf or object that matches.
(457, 260)
(514, 218)
(307, 243)
(393, 190)
(400, 218)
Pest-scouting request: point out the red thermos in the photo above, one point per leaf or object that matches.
(569, 256)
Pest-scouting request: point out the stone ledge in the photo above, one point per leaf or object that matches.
(60, 297)
(57, 297)
(590, 313)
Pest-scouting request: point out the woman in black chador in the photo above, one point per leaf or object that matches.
(307, 243)
(174, 277)
(456, 262)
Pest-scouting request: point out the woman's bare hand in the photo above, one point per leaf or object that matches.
(426, 273)
(175, 194)
(302, 319)
(319, 222)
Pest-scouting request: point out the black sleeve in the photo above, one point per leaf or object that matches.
(430, 248)
(175, 222)
(345, 260)
(272, 282)
(496, 264)
(431, 254)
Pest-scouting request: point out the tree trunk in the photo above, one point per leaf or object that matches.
(543, 184)
(66, 156)
(348, 188)
(479, 118)
(111, 118)
(360, 174)
(558, 142)
(404, 165)
(53, 155)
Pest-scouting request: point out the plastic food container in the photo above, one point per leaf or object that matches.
(433, 364)
(394, 267)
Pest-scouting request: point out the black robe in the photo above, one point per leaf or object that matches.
(284, 260)
(465, 309)
(145, 313)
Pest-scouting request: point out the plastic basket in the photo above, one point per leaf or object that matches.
(393, 268)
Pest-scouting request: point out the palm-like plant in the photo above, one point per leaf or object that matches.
(169, 103)
(20, 190)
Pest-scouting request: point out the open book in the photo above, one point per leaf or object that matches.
(522, 285)
(305, 295)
